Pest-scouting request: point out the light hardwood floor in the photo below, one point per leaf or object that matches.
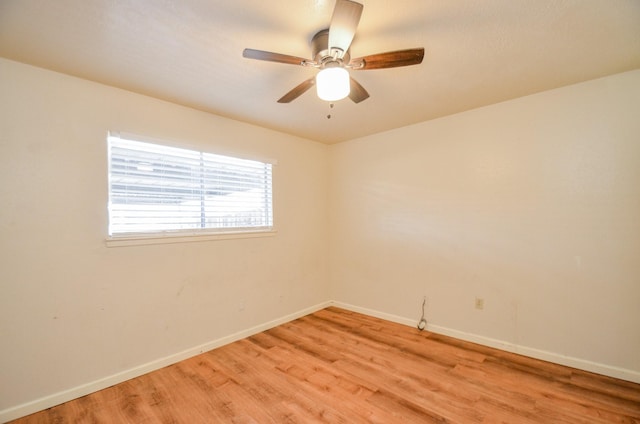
(336, 366)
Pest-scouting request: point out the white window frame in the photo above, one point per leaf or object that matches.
(212, 162)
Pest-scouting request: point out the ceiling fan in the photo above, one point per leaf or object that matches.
(330, 53)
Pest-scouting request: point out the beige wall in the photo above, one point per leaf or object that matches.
(532, 205)
(73, 311)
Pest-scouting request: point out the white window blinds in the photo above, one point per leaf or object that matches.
(161, 189)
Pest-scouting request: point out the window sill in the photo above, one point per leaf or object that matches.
(142, 240)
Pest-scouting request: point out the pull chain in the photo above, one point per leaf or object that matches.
(329, 115)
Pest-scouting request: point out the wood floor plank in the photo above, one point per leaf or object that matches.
(273, 388)
(338, 366)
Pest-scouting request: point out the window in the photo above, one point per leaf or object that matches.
(161, 190)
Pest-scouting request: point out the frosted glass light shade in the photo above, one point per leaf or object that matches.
(333, 84)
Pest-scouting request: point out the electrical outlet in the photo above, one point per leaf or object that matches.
(241, 306)
(479, 303)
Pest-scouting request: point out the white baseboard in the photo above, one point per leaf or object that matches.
(27, 408)
(582, 364)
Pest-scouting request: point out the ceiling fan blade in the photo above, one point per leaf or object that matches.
(344, 23)
(272, 57)
(298, 90)
(389, 59)
(357, 93)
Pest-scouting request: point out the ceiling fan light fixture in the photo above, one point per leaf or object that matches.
(332, 83)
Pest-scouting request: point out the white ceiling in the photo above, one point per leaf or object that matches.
(477, 52)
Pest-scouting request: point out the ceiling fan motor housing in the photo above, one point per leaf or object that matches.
(320, 50)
